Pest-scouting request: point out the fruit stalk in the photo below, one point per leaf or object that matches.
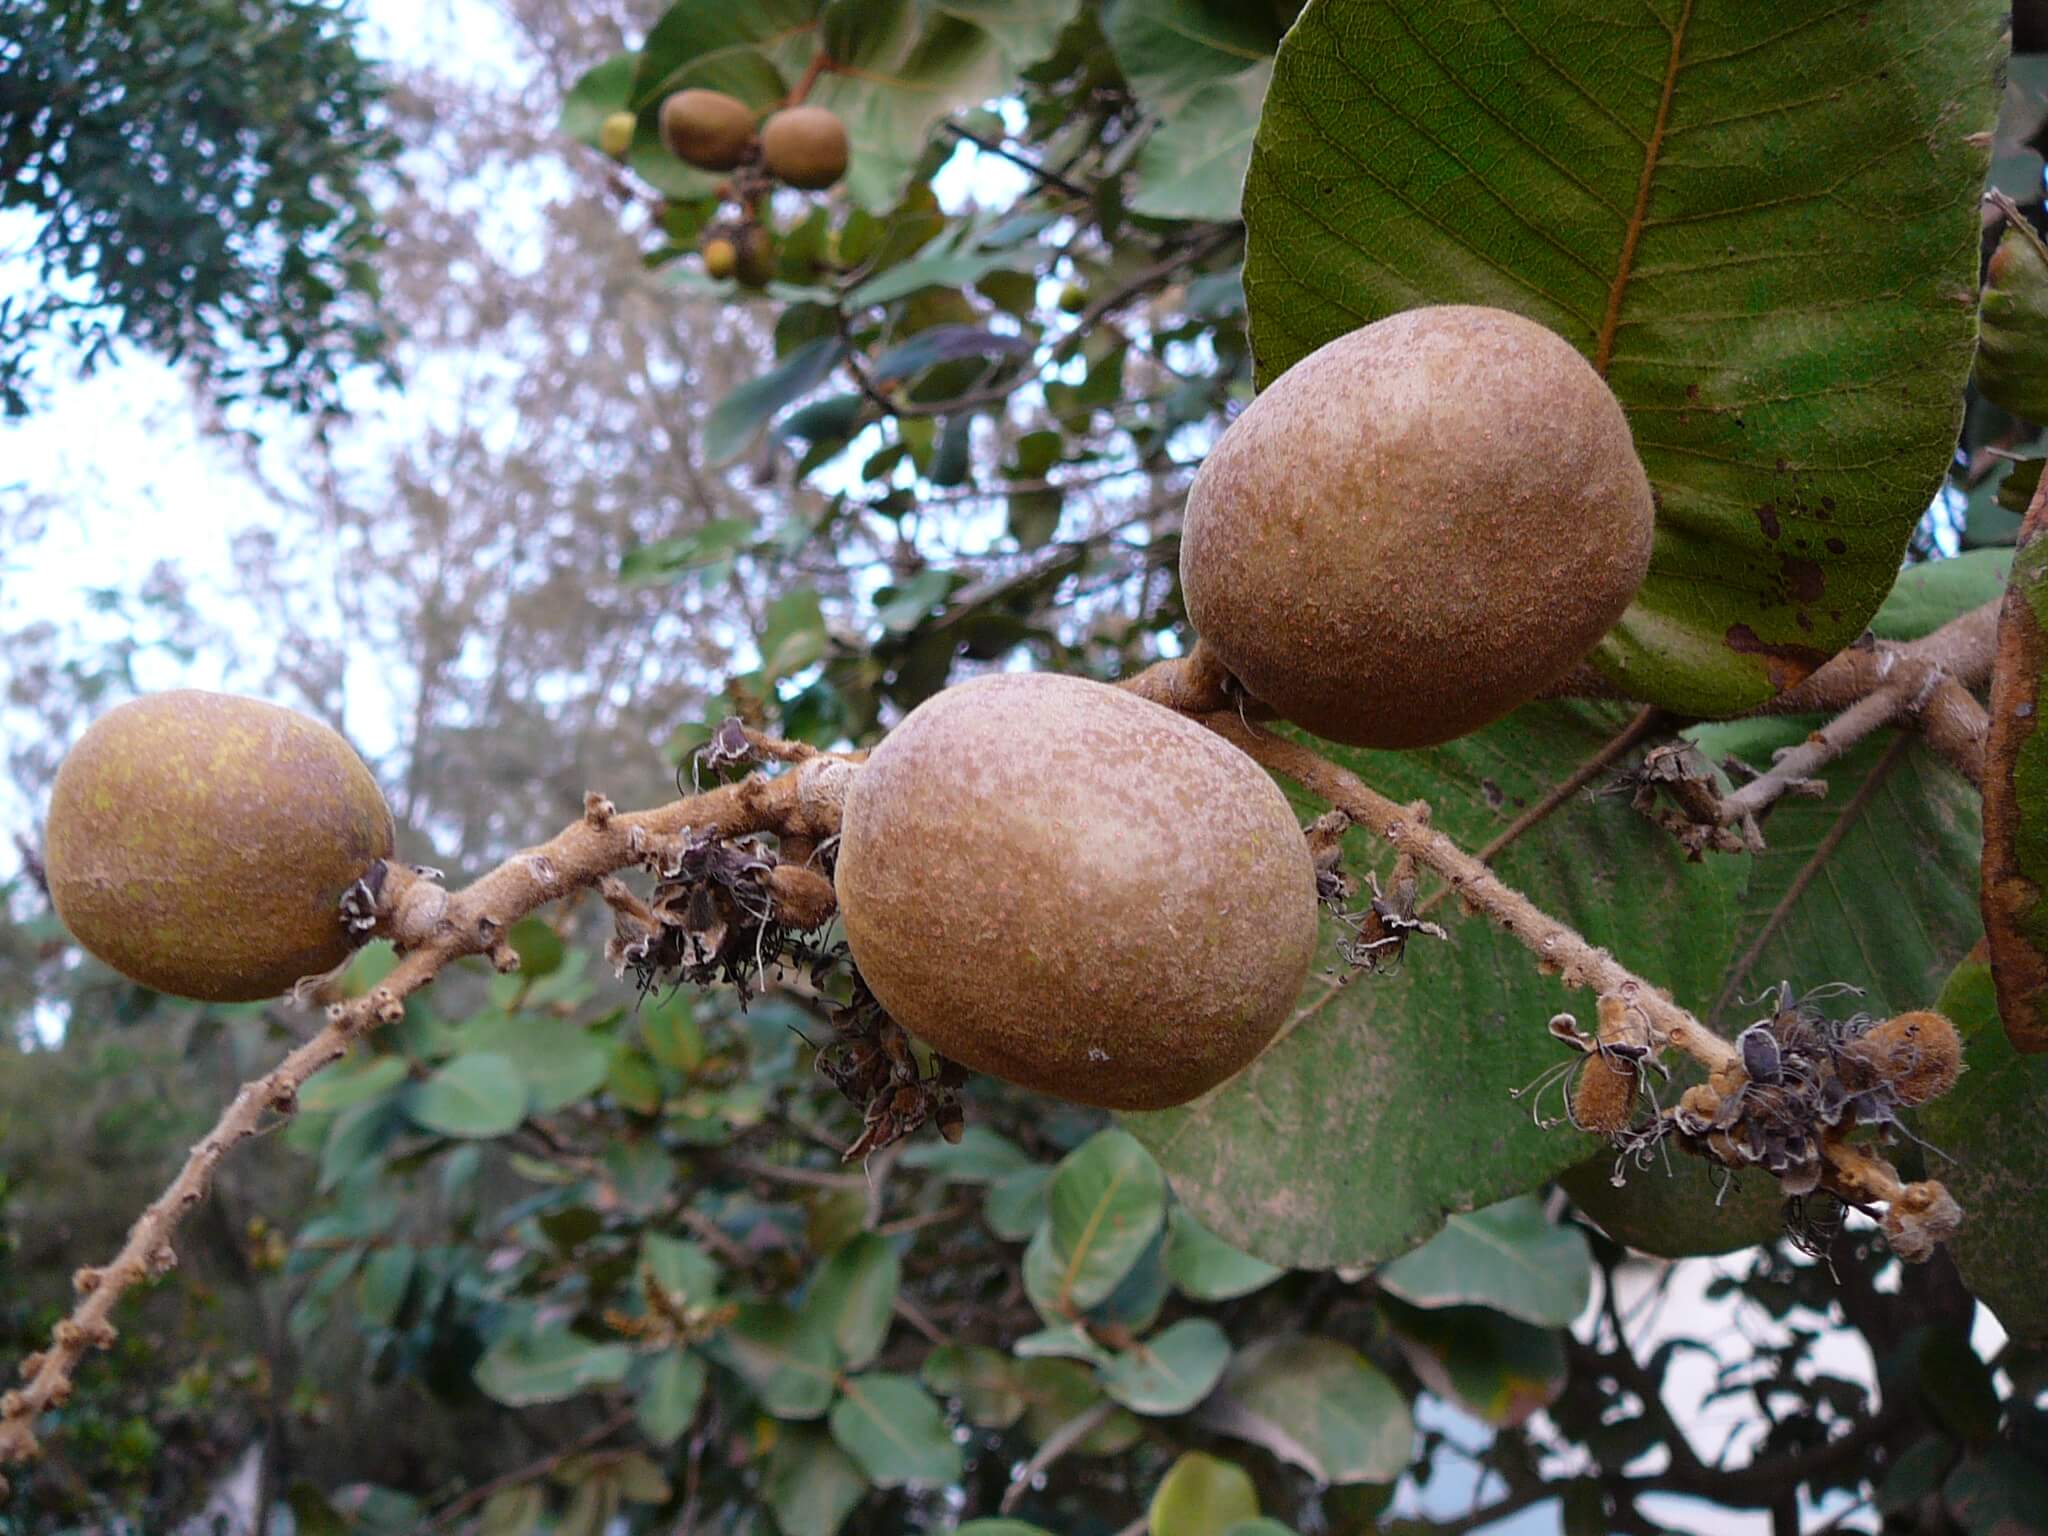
(472, 921)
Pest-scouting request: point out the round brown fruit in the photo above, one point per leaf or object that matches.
(201, 843)
(615, 137)
(707, 129)
(805, 146)
(1061, 884)
(1417, 527)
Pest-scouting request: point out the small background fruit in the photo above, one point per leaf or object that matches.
(707, 129)
(721, 257)
(1418, 527)
(805, 146)
(1059, 883)
(615, 137)
(200, 843)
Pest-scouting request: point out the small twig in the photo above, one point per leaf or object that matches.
(1023, 162)
(1056, 1445)
(916, 1316)
(1823, 851)
(1642, 724)
(538, 1468)
(1795, 767)
(820, 62)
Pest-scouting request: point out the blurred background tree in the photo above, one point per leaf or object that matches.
(617, 1273)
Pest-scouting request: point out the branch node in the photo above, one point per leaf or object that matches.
(597, 810)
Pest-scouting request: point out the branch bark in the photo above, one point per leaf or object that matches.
(433, 929)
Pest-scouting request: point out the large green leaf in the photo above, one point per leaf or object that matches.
(1874, 885)
(1388, 1106)
(895, 1431)
(1761, 228)
(1994, 1123)
(1507, 1257)
(1106, 1204)
(1318, 1404)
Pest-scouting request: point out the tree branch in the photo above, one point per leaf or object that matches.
(432, 928)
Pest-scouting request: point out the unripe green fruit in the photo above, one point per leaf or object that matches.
(1065, 885)
(721, 257)
(1417, 527)
(1073, 298)
(615, 137)
(707, 129)
(805, 146)
(200, 843)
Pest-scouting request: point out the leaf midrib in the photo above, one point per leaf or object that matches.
(1603, 350)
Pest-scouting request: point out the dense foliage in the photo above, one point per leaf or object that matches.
(615, 1230)
(195, 178)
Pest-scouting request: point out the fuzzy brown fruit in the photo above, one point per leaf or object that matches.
(1417, 527)
(805, 147)
(201, 843)
(707, 129)
(1061, 884)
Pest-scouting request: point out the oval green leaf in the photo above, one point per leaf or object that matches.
(896, 1433)
(1319, 1405)
(1202, 1495)
(1508, 1257)
(1106, 1203)
(1206, 1268)
(1170, 1372)
(480, 1094)
(524, 1368)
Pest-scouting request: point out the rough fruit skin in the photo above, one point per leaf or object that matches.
(200, 843)
(707, 129)
(1061, 884)
(1418, 527)
(805, 147)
